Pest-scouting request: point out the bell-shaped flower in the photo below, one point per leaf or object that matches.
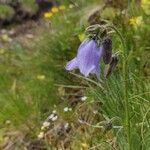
(87, 59)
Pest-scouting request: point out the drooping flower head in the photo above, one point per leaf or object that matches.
(87, 59)
(89, 54)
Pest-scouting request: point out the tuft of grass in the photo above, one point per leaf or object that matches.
(5, 10)
(27, 99)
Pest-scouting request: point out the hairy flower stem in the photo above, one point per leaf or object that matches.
(125, 76)
(98, 29)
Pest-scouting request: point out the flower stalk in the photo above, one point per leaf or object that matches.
(91, 51)
(103, 28)
(125, 77)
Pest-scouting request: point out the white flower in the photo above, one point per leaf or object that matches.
(42, 128)
(54, 111)
(66, 109)
(41, 135)
(46, 124)
(83, 98)
(66, 125)
(70, 109)
(55, 118)
(51, 116)
(95, 111)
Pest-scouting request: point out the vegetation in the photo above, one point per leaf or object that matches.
(65, 110)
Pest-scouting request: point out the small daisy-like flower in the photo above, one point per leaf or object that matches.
(41, 135)
(83, 98)
(136, 21)
(62, 7)
(46, 124)
(70, 109)
(40, 77)
(55, 9)
(66, 125)
(54, 118)
(51, 116)
(42, 128)
(48, 15)
(54, 112)
(66, 109)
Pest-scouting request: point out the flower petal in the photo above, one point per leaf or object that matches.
(88, 57)
(97, 72)
(101, 51)
(87, 72)
(72, 64)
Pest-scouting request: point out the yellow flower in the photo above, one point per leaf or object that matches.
(46, 124)
(55, 9)
(48, 14)
(144, 1)
(2, 51)
(81, 37)
(62, 7)
(41, 77)
(145, 4)
(84, 145)
(71, 6)
(6, 38)
(136, 21)
(41, 135)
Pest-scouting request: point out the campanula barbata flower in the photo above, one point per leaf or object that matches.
(89, 55)
(87, 59)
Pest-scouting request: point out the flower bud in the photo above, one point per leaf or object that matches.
(107, 45)
(111, 67)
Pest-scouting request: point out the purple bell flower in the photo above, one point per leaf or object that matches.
(87, 59)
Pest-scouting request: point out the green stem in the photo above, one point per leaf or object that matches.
(126, 100)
